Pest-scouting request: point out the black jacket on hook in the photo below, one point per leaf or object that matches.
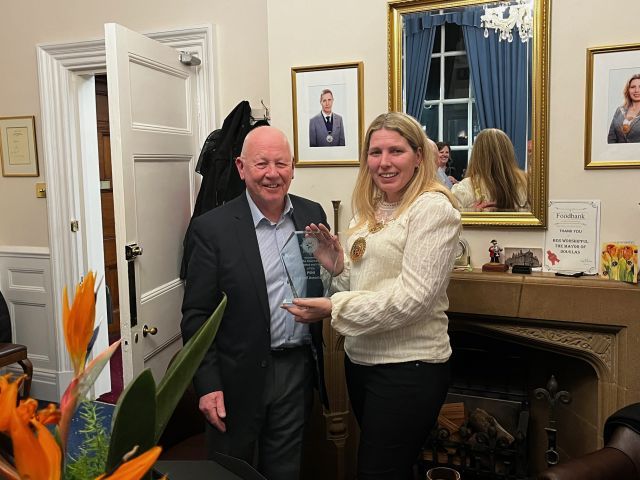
(221, 181)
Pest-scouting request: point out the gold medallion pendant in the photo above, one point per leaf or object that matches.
(357, 249)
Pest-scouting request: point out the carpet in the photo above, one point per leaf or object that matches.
(117, 383)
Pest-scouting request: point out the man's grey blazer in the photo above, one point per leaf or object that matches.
(318, 131)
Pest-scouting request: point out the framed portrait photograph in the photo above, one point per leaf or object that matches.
(327, 114)
(18, 153)
(612, 117)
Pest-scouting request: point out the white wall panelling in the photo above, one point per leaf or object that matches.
(25, 281)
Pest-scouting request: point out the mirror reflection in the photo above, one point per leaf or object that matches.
(462, 70)
(493, 180)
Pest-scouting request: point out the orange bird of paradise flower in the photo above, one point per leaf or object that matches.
(78, 320)
(37, 454)
(135, 468)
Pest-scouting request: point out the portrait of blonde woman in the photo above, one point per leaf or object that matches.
(493, 181)
(625, 125)
(391, 295)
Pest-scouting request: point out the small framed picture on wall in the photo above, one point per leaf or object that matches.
(612, 130)
(18, 147)
(327, 114)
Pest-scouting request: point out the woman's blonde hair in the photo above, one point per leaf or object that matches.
(366, 194)
(627, 98)
(493, 169)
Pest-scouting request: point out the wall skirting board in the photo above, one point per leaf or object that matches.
(25, 281)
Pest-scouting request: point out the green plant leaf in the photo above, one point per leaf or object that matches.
(134, 419)
(180, 374)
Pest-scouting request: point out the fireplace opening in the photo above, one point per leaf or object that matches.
(492, 426)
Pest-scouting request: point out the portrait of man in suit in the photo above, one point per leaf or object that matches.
(255, 384)
(326, 129)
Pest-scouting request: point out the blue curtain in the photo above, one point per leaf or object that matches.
(501, 78)
(499, 73)
(419, 34)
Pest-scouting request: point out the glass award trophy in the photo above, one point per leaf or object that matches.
(307, 265)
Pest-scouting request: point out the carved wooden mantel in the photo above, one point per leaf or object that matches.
(591, 318)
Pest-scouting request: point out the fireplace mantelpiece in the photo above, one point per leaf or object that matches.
(593, 319)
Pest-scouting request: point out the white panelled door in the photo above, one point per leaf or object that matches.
(153, 144)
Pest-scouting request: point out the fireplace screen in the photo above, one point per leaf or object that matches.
(482, 438)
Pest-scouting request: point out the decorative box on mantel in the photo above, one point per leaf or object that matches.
(588, 318)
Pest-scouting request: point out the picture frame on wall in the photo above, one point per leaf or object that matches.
(612, 116)
(18, 152)
(327, 114)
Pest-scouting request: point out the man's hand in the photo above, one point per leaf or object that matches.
(212, 405)
(485, 206)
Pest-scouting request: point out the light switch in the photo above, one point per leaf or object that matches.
(41, 190)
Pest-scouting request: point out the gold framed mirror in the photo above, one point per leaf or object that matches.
(446, 116)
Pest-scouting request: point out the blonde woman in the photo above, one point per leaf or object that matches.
(625, 125)
(391, 295)
(493, 180)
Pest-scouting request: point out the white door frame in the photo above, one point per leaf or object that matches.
(62, 72)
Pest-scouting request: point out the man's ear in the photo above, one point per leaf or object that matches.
(240, 167)
(293, 167)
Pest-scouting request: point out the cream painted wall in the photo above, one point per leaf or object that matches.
(242, 61)
(260, 41)
(358, 31)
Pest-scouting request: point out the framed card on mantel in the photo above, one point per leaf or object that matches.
(572, 239)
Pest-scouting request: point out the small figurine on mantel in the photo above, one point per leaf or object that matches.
(494, 251)
(494, 264)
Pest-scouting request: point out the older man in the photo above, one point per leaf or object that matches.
(326, 128)
(255, 383)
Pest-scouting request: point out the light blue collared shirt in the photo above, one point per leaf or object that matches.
(444, 179)
(285, 331)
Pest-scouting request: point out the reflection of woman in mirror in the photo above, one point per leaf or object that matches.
(444, 152)
(392, 295)
(493, 181)
(625, 126)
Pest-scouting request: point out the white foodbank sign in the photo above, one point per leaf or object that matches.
(571, 242)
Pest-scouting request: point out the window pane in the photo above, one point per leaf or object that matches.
(458, 164)
(475, 124)
(456, 77)
(455, 124)
(453, 39)
(433, 83)
(436, 42)
(429, 119)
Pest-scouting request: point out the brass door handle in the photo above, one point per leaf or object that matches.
(149, 331)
